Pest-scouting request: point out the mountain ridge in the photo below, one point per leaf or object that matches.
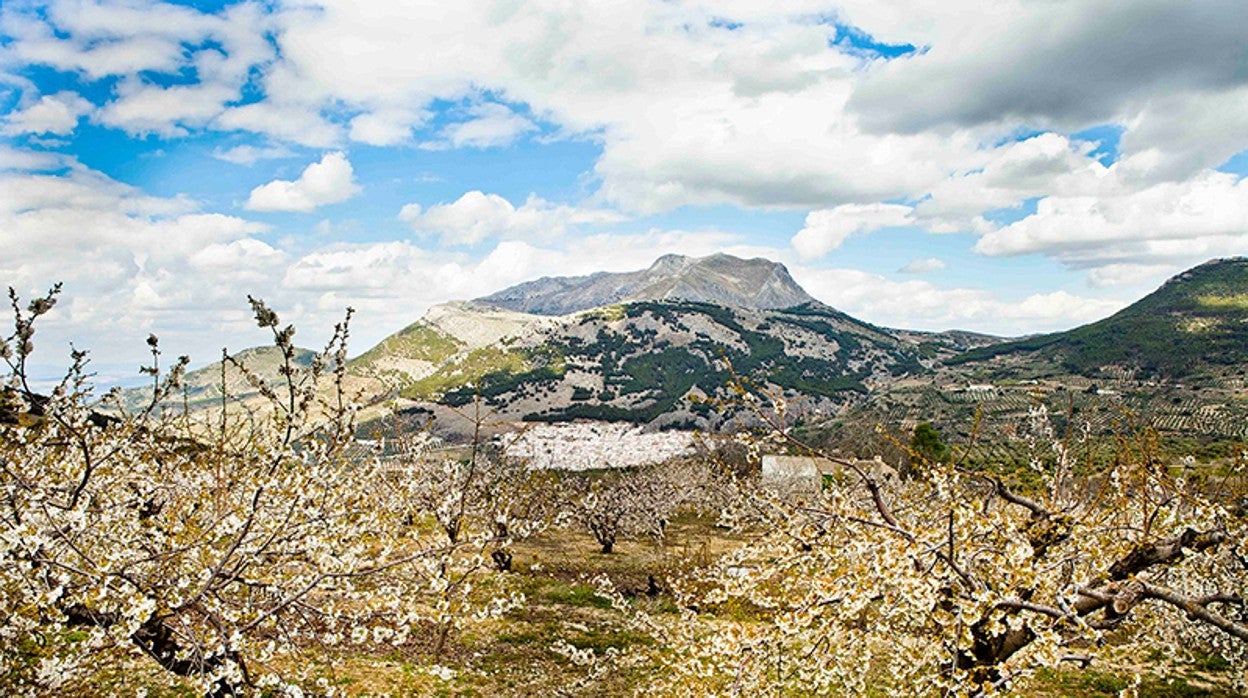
(1196, 321)
(718, 279)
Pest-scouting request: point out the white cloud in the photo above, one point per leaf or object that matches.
(1129, 274)
(389, 126)
(131, 263)
(1202, 217)
(294, 123)
(1045, 164)
(918, 304)
(329, 181)
(923, 266)
(492, 125)
(57, 114)
(1183, 131)
(687, 112)
(125, 39)
(168, 111)
(250, 154)
(828, 229)
(476, 216)
(242, 261)
(23, 160)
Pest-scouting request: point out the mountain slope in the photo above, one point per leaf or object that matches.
(1196, 322)
(202, 387)
(654, 362)
(719, 279)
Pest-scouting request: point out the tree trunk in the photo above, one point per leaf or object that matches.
(502, 560)
(156, 639)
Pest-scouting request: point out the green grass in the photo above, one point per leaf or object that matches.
(581, 595)
(417, 341)
(468, 369)
(1236, 301)
(1092, 683)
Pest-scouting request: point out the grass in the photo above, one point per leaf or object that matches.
(1090, 683)
(468, 369)
(416, 341)
(1235, 301)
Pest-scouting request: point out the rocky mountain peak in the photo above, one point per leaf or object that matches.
(720, 279)
(670, 264)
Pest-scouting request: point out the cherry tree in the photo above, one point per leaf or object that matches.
(218, 543)
(958, 582)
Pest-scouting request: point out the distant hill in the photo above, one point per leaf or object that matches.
(719, 279)
(202, 387)
(1197, 322)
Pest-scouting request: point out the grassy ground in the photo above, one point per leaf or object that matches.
(513, 655)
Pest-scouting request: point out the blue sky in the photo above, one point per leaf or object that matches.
(1014, 170)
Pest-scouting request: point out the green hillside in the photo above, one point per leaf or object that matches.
(418, 341)
(1196, 322)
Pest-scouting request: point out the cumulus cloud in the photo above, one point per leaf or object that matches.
(135, 40)
(242, 261)
(131, 262)
(1129, 274)
(23, 160)
(1205, 216)
(929, 265)
(1078, 64)
(827, 229)
(1046, 164)
(387, 126)
(290, 122)
(769, 114)
(491, 125)
(56, 114)
(166, 111)
(329, 181)
(476, 216)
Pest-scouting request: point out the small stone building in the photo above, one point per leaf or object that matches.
(803, 475)
(794, 475)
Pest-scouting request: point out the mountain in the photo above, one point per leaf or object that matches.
(202, 387)
(1196, 323)
(650, 347)
(660, 363)
(719, 279)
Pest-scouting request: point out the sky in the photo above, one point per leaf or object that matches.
(1011, 167)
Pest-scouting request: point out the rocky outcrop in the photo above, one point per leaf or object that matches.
(719, 279)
